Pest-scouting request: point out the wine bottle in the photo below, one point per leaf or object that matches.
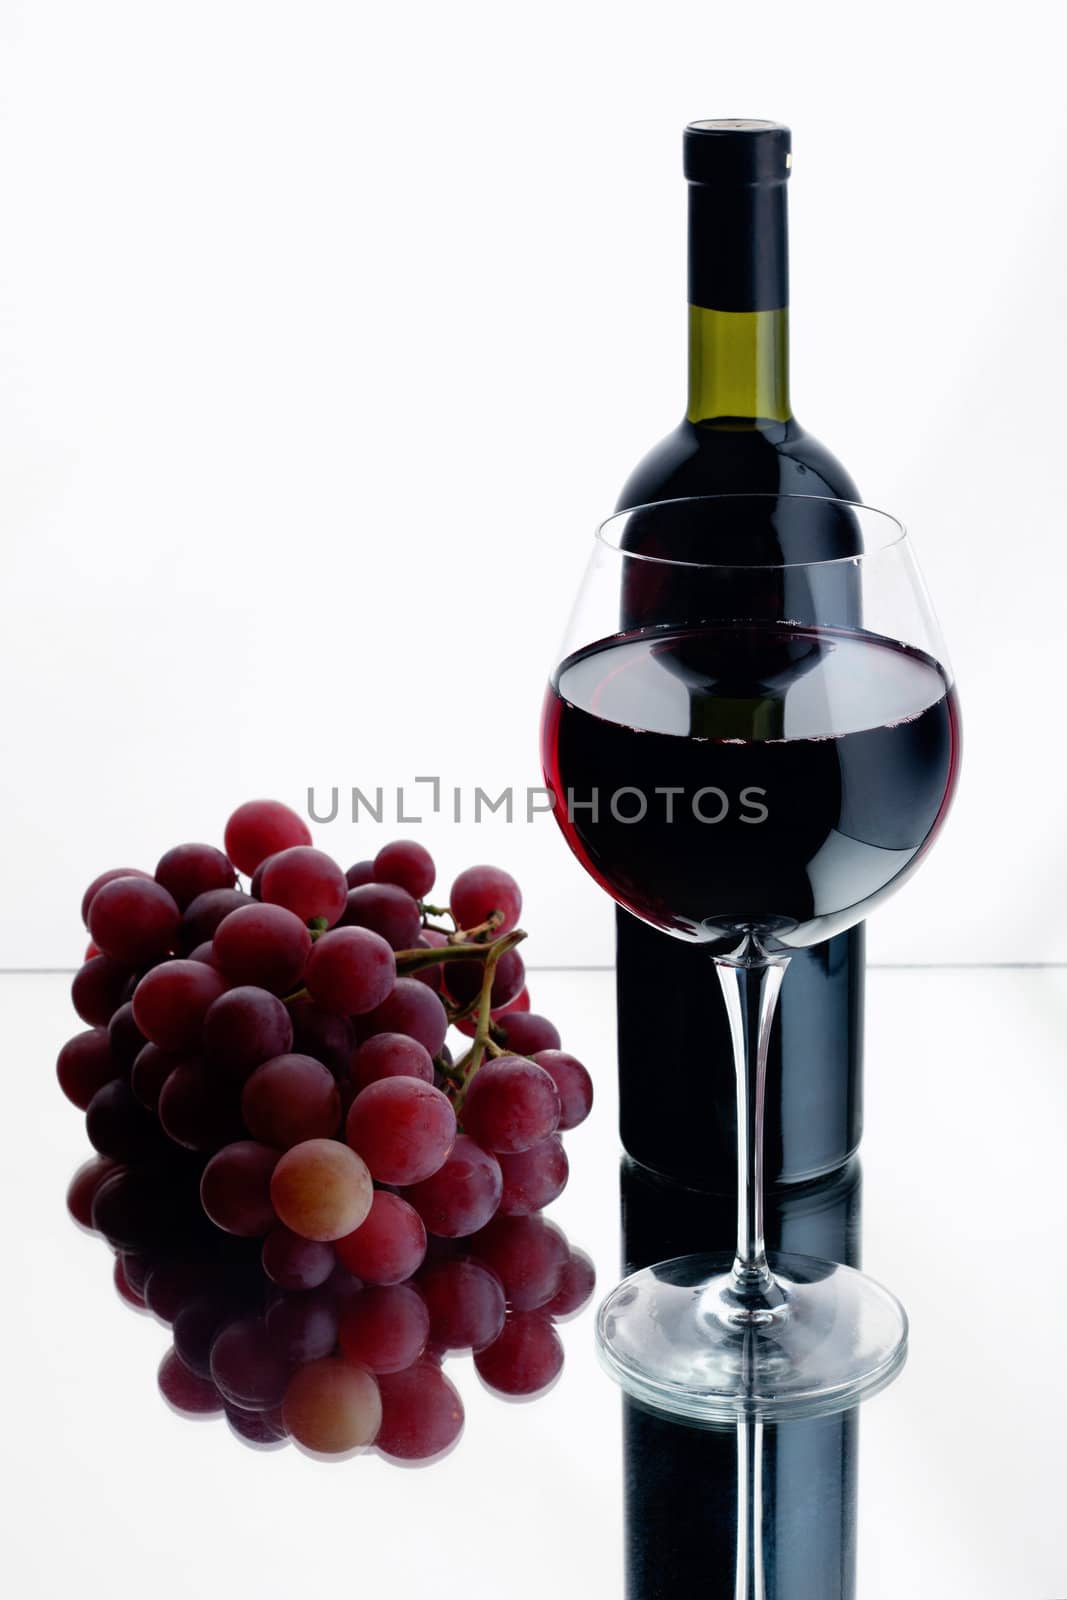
(739, 435)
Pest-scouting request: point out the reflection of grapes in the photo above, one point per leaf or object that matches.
(332, 1408)
(422, 1413)
(465, 1302)
(526, 1357)
(385, 1329)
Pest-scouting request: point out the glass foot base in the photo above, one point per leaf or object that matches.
(675, 1338)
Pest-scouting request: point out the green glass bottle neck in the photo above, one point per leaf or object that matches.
(738, 366)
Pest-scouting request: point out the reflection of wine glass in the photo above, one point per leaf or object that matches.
(755, 786)
(292, 1345)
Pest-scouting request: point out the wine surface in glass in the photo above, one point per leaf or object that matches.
(750, 775)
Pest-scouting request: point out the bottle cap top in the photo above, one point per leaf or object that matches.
(732, 150)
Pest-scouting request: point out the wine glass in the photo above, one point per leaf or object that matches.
(751, 737)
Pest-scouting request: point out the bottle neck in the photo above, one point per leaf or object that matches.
(738, 303)
(738, 366)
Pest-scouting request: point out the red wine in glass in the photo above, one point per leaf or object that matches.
(739, 775)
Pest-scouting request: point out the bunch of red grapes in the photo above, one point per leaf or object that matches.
(285, 1046)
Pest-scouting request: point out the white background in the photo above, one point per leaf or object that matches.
(329, 330)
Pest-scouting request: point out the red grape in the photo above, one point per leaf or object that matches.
(235, 1188)
(198, 1323)
(107, 877)
(84, 1065)
(243, 1028)
(525, 1359)
(171, 1287)
(246, 1366)
(290, 1099)
(331, 1407)
(201, 918)
(307, 882)
(526, 1032)
(413, 1009)
(527, 1254)
(386, 1329)
(192, 869)
(263, 1430)
(120, 1127)
(350, 970)
(573, 1083)
(197, 1108)
(511, 1104)
(575, 1286)
(151, 1069)
(323, 1034)
(386, 910)
(263, 945)
(133, 1209)
(295, 1263)
(261, 828)
(131, 1297)
(204, 952)
(321, 1189)
(403, 1128)
(499, 1014)
(304, 1326)
(534, 1177)
(98, 988)
(360, 872)
(184, 1391)
(430, 939)
(83, 1186)
(133, 920)
(463, 1195)
(408, 864)
(466, 1304)
(391, 1055)
(464, 979)
(171, 1001)
(389, 1244)
(422, 1413)
(479, 891)
(125, 1037)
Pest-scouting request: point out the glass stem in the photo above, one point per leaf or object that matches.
(750, 981)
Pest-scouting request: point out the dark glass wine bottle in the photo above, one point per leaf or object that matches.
(739, 435)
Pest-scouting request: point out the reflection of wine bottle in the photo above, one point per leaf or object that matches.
(760, 1512)
(739, 435)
